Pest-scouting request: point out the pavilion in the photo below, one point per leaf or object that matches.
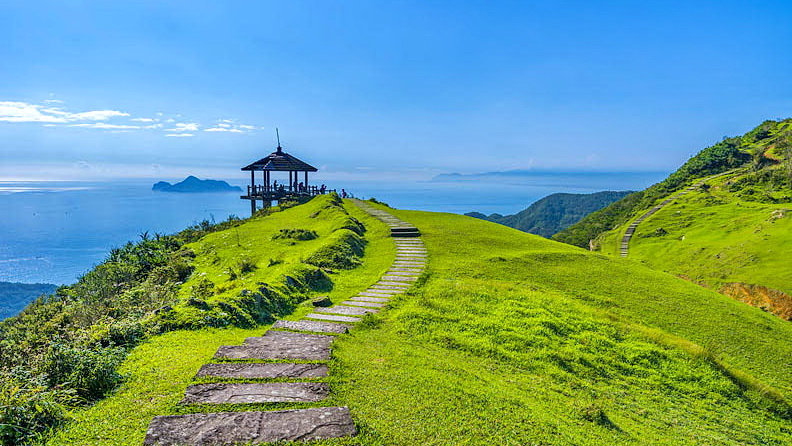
(270, 190)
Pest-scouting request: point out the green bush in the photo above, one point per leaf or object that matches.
(91, 373)
(27, 409)
(342, 250)
(295, 234)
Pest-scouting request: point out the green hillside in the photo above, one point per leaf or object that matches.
(508, 338)
(14, 296)
(67, 351)
(554, 212)
(731, 234)
(765, 151)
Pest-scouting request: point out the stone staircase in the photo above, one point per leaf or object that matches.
(625, 241)
(268, 359)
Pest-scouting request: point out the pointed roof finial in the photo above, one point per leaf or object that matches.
(277, 135)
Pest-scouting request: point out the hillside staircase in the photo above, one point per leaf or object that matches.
(628, 234)
(285, 365)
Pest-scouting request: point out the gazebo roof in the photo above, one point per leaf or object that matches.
(280, 161)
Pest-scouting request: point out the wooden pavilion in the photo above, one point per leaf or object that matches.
(270, 190)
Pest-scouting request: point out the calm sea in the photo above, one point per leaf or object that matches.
(54, 232)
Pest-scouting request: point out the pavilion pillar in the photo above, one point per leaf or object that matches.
(306, 181)
(252, 182)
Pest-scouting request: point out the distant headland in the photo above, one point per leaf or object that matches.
(193, 184)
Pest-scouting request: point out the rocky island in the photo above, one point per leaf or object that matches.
(193, 184)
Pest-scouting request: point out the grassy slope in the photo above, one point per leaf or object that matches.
(511, 339)
(715, 237)
(518, 340)
(160, 370)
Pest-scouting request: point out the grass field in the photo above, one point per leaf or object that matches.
(512, 339)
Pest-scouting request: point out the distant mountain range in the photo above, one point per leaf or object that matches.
(14, 296)
(554, 212)
(193, 184)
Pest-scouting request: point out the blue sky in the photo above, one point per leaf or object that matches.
(99, 89)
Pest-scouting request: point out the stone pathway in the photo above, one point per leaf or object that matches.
(309, 342)
(625, 242)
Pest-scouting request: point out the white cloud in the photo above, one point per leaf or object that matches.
(24, 112)
(96, 115)
(50, 114)
(184, 127)
(106, 126)
(223, 129)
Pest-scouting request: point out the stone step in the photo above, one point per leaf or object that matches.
(332, 317)
(363, 303)
(252, 393)
(252, 370)
(413, 264)
(279, 345)
(383, 289)
(346, 311)
(390, 282)
(371, 299)
(315, 326)
(400, 278)
(380, 293)
(405, 234)
(403, 273)
(405, 229)
(250, 427)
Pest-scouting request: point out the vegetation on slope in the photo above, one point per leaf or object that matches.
(158, 371)
(14, 296)
(766, 150)
(726, 236)
(554, 212)
(514, 339)
(64, 350)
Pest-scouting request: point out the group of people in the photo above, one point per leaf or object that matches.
(300, 187)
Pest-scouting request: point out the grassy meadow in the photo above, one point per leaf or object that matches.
(507, 338)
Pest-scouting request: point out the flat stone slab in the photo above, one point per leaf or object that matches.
(347, 311)
(255, 370)
(228, 428)
(371, 299)
(251, 393)
(279, 345)
(390, 282)
(315, 326)
(394, 289)
(363, 303)
(375, 293)
(400, 278)
(332, 317)
(404, 273)
(277, 337)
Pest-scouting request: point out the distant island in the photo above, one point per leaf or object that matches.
(193, 184)
(555, 212)
(14, 296)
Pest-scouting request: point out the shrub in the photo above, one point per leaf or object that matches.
(295, 234)
(91, 373)
(342, 250)
(27, 409)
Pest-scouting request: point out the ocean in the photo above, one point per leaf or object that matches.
(53, 232)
